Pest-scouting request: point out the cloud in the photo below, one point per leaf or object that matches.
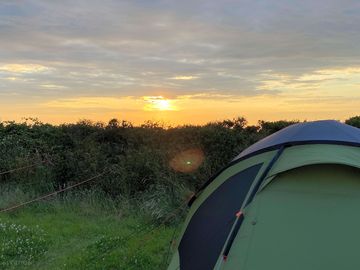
(227, 50)
(95, 102)
(216, 96)
(339, 81)
(24, 68)
(185, 78)
(331, 74)
(53, 86)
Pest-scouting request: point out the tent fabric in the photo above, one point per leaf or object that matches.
(294, 157)
(304, 216)
(326, 131)
(303, 220)
(207, 232)
(225, 174)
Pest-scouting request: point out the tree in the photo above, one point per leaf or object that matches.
(353, 121)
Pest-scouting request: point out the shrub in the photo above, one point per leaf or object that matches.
(353, 121)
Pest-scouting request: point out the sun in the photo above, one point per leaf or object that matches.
(158, 103)
(162, 105)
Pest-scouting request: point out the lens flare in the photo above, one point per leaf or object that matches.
(187, 161)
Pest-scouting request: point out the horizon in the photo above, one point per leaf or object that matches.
(179, 62)
(166, 125)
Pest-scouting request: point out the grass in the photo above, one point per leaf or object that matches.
(82, 232)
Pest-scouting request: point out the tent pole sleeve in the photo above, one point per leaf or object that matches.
(240, 216)
(237, 226)
(263, 176)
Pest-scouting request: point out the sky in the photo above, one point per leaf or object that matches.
(179, 62)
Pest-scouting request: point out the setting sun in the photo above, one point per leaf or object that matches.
(163, 105)
(158, 103)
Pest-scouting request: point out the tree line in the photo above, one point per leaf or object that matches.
(138, 159)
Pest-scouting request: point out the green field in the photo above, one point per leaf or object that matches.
(80, 232)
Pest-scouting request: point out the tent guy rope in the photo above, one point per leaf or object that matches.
(23, 167)
(14, 207)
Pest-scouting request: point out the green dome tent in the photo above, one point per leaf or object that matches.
(290, 201)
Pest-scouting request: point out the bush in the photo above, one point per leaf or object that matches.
(353, 121)
(137, 158)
